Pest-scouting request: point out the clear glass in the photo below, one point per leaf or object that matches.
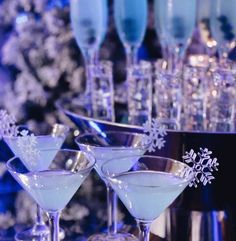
(221, 100)
(223, 27)
(175, 23)
(131, 22)
(53, 188)
(102, 91)
(52, 143)
(89, 23)
(195, 91)
(146, 185)
(139, 93)
(203, 23)
(104, 146)
(167, 98)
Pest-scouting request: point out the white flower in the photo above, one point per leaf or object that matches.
(7, 124)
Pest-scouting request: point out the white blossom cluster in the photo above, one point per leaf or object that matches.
(7, 124)
(41, 47)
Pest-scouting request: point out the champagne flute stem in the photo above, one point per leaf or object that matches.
(39, 218)
(90, 57)
(223, 55)
(111, 210)
(178, 57)
(144, 230)
(131, 56)
(54, 225)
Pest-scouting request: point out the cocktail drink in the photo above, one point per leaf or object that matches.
(53, 188)
(148, 187)
(48, 146)
(105, 146)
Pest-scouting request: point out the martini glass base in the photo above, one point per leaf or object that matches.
(113, 237)
(35, 234)
(41, 233)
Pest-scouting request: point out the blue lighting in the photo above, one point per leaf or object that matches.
(97, 128)
(58, 3)
(22, 18)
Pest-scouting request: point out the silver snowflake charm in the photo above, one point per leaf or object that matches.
(155, 133)
(7, 124)
(27, 144)
(202, 164)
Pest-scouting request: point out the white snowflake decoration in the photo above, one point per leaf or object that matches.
(7, 124)
(155, 133)
(202, 164)
(27, 144)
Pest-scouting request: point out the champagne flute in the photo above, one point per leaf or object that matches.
(175, 22)
(89, 24)
(203, 21)
(223, 27)
(131, 22)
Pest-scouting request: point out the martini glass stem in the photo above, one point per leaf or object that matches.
(111, 210)
(144, 230)
(131, 55)
(54, 225)
(39, 218)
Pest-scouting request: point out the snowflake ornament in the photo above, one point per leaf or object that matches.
(155, 133)
(202, 164)
(7, 124)
(27, 144)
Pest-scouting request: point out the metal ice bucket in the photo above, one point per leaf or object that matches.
(202, 214)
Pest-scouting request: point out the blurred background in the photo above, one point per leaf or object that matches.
(40, 60)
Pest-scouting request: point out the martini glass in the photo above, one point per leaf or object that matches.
(105, 146)
(53, 188)
(48, 145)
(147, 185)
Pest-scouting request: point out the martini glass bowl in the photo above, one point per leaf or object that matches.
(53, 188)
(147, 186)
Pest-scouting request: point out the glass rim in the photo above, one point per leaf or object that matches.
(36, 173)
(36, 136)
(42, 135)
(121, 147)
(113, 177)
